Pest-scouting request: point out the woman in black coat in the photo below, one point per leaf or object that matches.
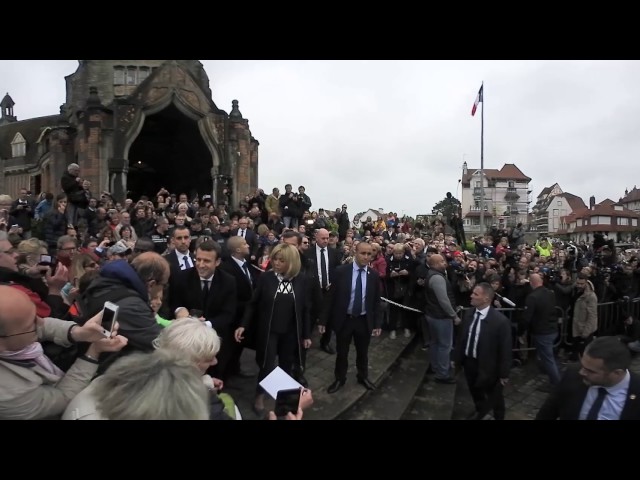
(279, 317)
(55, 223)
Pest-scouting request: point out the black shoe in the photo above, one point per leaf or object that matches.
(367, 383)
(302, 381)
(328, 349)
(447, 381)
(472, 415)
(335, 386)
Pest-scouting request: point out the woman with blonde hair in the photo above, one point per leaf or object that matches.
(29, 252)
(279, 314)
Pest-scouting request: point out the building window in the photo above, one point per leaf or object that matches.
(143, 73)
(118, 75)
(131, 75)
(555, 212)
(18, 146)
(623, 221)
(511, 184)
(559, 203)
(478, 184)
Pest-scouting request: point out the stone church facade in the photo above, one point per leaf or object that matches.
(133, 126)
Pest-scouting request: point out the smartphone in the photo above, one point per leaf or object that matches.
(195, 313)
(109, 318)
(287, 401)
(45, 260)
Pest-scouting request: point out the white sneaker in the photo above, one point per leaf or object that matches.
(407, 333)
(392, 335)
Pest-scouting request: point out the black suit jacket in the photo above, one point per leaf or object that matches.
(220, 310)
(174, 262)
(494, 346)
(244, 289)
(565, 401)
(340, 295)
(334, 262)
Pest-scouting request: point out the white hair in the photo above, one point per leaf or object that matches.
(73, 166)
(190, 339)
(152, 386)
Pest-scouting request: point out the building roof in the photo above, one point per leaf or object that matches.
(604, 208)
(508, 172)
(632, 196)
(574, 201)
(7, 101)
(30, 129)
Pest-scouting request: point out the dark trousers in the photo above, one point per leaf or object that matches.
(228, 356)
(579, 344)
(353, 328)
(485, 397)
(284, 346)
(325, 339)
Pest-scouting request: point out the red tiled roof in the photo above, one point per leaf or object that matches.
(508, 172)
(574, 201)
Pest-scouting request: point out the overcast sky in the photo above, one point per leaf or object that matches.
(394, 134)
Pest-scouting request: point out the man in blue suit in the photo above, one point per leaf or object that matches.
(354, 308)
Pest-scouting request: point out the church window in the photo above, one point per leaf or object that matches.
(118, 75)
(131, 75)
(143, 73)
(18, 146)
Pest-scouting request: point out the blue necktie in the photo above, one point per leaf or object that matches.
(356, 311)
(597, 404)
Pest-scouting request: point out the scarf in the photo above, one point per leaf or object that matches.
(33, 353)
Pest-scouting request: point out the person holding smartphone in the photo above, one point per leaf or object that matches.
(32, 387)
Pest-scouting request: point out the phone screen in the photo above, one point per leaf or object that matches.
(195, 313)
(45, 259)
(287, 401)
(108, 317)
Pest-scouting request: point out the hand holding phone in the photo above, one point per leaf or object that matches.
(287, 401)
(109, 319)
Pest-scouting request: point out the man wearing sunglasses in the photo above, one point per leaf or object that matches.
(31, 385)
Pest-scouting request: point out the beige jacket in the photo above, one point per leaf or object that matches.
(585, 313)
(31, 393)
(272, 204)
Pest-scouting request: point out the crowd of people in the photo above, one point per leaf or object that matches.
(197, 283)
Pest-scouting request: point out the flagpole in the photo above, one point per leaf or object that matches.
(482, 229)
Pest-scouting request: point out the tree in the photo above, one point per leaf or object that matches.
(447, 207)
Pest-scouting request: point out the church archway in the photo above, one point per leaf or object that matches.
(169, 152)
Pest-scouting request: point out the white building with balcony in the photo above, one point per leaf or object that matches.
(506, 197)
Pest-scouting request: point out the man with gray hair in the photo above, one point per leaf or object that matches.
(71, 184)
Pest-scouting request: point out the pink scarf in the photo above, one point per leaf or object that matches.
(35, 353)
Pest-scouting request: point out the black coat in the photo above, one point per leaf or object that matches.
(494, 346)
(258, 312)
(220, 310)
(565, 402)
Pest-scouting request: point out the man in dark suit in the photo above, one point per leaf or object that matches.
(249, 235)
(209, 290)
(324, 260)
(601, 388)
(180, 258)
(238, 267)
(354, 307)
(484, 351)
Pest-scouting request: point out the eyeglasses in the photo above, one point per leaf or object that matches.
(35, 322)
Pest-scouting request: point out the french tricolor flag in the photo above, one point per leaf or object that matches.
(478, 100)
